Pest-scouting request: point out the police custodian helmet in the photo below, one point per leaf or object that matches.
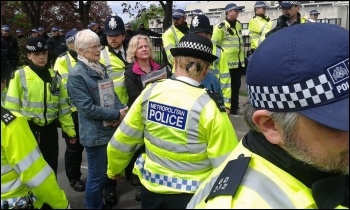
(200, 23)
(114, 25)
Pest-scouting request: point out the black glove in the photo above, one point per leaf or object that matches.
(281, 22)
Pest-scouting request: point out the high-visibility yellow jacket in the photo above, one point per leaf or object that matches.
(271, 25)
(262, 186)
(221, 71)
(23, 168)
(30, 96)
(184, 138)
(171, 38)
(258, 25)
(115, 70)
(64, 64)
(231, 41)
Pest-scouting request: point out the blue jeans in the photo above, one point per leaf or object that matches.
(97, 176)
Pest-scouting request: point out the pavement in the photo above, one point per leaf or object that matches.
(125, 190)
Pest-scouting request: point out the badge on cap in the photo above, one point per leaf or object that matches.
(339, 77)
(195, 21)
(112, 23)
(40, 45)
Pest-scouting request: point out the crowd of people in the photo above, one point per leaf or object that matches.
(167, 127)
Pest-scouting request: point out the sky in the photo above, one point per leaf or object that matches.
(118, 9)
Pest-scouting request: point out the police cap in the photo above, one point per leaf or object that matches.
(40, 28)
(232, 6)
(195, 46)
(114, 25)
(36, 44)
(316, 85)
(178, 13)
(200, 23)
(54, 29)
(289, 4)
(260, 4)
(34, 30)
(70, 35)
(314, 12)
(19, 30)
(5, 27)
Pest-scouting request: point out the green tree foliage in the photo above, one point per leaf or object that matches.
(140, 13)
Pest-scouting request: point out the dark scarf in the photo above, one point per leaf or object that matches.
(42, 72)
(73, 54)
(232, 23)
(328, 189)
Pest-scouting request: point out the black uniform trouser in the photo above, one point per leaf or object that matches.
(151, 200)
(130, 166)
(47, 138)
(74, 152)
(236, 75)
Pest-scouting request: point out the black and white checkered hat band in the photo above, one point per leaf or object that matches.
(196, 46)
(36, 48)
(291, 2)
(231, 8)
(291, 97)
(70, 39)
(178, 13)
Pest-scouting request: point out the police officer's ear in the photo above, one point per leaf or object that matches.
(268, 127)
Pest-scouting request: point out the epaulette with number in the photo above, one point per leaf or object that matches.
(221, 25)
(230, 178)
(218, 100)
(6, 116)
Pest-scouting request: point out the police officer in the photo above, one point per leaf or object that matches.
(290, 16)
(9, 46)
(228, 35)
(42, 32)
(34, 33)
(26, 178)
(257, 25)
(56, 44)
(181, 136)
(95, 27)
(174, 33)
(74, 150)
(296, 154)
(313, 16)
(200, 25)
(37, 92)
(145, 31)
(114, 55)
(129, 33)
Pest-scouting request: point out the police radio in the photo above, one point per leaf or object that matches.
(54, 87)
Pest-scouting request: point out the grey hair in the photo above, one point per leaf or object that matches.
(84, 38)
(287, 120)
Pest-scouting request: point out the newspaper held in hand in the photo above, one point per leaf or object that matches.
(153, 76)
(107, 96)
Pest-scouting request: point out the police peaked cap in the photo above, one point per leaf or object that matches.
(36, 44)
(200, 23)
(314, 12)
(5, 27)
(195, 46)
(316, 85)
(70, 35)
(114, 25)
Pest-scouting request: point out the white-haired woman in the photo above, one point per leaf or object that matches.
(84, 92)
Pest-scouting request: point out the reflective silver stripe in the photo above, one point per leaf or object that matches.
(118, 84)
(114, 74)
(65, 75)
(123, 147)
(129, 131)
(276, 197)
(193, 118)
(227, 100)
(215, 71)
(7, 187)
(172, 182)
(22, 77)
(63, 100)
(216, 162)
(40, 105)
(146, 96)
(227, 85)
(225, 75)
(70, 67)
(231, 45)
(5, 169)
(175, 35)
(40, 177)
(107, 60)
(169, 47)
(178, 148)
(179, 165)
(28, 160)
(215, 42)
(13, 99)
(38, 115)
(64, 111)
(202, 193)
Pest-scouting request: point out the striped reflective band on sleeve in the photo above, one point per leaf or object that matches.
(27, 161)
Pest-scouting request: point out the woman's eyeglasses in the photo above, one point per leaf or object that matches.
(95, 47)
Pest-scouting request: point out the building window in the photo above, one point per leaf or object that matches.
(334, 21)
(244, 25)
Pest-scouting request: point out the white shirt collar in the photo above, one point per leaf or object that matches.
(188, 80)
